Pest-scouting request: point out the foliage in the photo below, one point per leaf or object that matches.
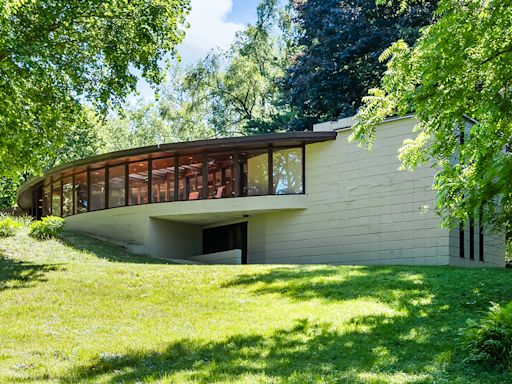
(8, 188)
(232, 324)
(8, 226)
(239, 86)
(48, 227)
(172, 117)
(490, 339)
(340, 42)
(54, 55)
(459, 68)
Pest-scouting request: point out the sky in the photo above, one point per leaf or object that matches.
(213, 24)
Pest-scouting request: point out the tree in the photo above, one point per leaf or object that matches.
(240, 85)
(56, 55)
(339, 44)
(458, 69)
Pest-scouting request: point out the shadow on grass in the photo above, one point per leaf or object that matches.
(20, 274)
(418, 342)
(105, 250)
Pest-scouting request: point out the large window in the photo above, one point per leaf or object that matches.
(163, 180)
(287, 171)
(220, 176)
(251, 172)
(116, 186)
(56, 194)
(81, 202)
(191, 178)
(254, 173)
(138, 183)
(67, 196)
(97, 189)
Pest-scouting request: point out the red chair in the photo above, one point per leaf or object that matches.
(193, 196)
(220, 191)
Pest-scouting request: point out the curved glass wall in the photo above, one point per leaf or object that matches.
(268, 171)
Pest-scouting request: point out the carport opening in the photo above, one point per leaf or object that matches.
(226, 238)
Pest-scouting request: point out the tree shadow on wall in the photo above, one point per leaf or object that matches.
(21, 274)
(416, 340)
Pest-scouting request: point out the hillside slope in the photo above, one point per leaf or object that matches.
(83, 311)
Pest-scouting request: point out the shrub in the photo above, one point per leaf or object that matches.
(490, 339)
(47, 228)
(8, 226)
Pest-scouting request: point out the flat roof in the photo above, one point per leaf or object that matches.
(220, 145)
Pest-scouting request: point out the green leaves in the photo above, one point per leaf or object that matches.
(55, 55)
(458, 69)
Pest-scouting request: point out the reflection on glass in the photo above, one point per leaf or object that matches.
(56, 198)
(138, 183)
(191, 177)
(220, 176)
(287, 171)
(47, 206)
(116, 186)
(162, 177)
(67, 196)
(255, 173)
(81, 192)
(97, 189)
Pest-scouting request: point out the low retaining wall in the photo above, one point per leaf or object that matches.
(233, 256)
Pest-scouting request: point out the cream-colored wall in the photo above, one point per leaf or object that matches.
(362, 209)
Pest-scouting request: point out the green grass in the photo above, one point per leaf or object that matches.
(82, 311)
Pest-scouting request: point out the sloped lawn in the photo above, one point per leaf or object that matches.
(82, 311)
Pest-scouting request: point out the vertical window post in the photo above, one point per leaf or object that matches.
(461, 240)
(88, 175)
(150, 180)
(270, 170)
(73, 212)
(471, 239)
(176, 177)
(481, 236)
(106, 186)
(126, 184)
(205, 176)
(61, 196)
(236, 176)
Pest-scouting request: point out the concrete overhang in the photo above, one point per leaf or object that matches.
(197, 212)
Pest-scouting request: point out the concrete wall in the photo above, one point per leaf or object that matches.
(233, 256)
(174, 240)
(362, 209)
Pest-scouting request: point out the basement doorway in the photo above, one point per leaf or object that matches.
(226, 238)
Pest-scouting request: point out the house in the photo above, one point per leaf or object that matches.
(296, 197)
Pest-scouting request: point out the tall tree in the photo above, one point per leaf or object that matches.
(340, 42)
(56, 54)
(460, 68)
(240, 85)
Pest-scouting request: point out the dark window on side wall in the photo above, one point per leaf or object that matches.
(81, 202)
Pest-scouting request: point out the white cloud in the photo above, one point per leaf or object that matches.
(208, 29)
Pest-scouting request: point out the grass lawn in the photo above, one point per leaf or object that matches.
(82, 311)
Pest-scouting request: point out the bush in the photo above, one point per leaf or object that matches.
(490, 339)
(8, 227)
(47, 228)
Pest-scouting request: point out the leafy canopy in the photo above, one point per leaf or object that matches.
(459, 67)
(55, 55)
(339, 42)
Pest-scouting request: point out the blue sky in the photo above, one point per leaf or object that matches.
(213, 24)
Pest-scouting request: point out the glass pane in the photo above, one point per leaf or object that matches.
(47, 204)
(56, 199)
(191, 177)
(255, 173)
(116, 186)
(220, 176)
(97, 189)
(138, 183)
(81, 193)
(67, 197)
(163, 180)
(287, 171)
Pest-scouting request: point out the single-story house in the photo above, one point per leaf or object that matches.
(294, 197)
